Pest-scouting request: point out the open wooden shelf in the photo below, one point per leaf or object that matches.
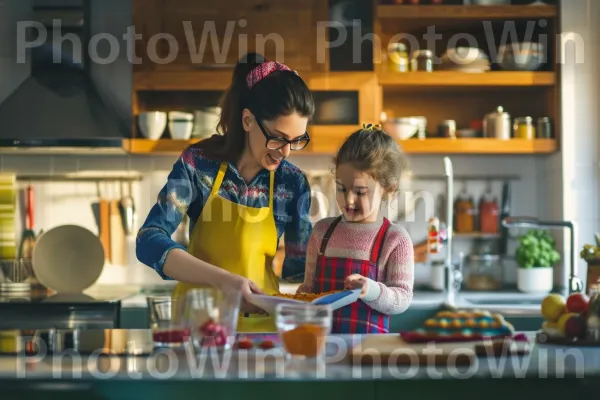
(411, 146)
(465, 12)
(456, 79)
(479, 146)
(159, 147)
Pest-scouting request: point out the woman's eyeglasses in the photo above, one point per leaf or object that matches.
(277, 142)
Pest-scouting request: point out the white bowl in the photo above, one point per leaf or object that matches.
(180, 116)
(181, 130)
(403, 128)
(465, 55)
(152, 124)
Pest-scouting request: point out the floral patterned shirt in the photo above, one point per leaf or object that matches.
(188, 186)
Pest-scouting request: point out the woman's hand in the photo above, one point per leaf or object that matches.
(356, 281)
(247, 288)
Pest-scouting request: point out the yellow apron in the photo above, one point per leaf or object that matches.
(241, 240)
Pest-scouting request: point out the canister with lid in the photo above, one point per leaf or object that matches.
(497, 124)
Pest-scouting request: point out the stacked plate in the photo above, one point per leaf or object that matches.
(8, 207)
(465, 59)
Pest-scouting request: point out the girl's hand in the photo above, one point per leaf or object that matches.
(356, 281)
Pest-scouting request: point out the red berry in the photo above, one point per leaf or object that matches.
(208, 327)
(267, 344)
(220, 339)
(244, 344)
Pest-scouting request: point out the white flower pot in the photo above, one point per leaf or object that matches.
(535, 280)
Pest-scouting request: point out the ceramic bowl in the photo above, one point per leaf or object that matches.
(152, 124)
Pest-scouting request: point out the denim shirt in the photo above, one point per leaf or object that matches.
(187, 188)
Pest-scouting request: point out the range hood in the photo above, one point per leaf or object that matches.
(58, 109)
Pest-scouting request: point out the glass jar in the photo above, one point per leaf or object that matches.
(422, 60)
(464, 211)
(483, 272)
(523, 128)
(488, 214)
(544, 128)
(398, 57)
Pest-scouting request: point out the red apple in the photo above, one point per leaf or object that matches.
(575, 327)
(577, 303)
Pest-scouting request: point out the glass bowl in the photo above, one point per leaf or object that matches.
(169, 327)
(213, 317)
(303, 329)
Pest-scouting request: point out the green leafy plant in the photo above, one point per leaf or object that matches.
(537, 249)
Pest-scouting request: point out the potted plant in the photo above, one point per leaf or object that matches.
(591, 255)
(536, 257)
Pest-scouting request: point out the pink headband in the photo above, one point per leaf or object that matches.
(264, 70)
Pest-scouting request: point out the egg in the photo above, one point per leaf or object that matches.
(457, 323)
(431, 322)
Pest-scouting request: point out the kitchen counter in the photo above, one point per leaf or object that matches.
(421, 298)
(179, 373)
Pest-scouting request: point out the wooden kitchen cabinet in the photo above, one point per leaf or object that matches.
(345, 98)
(281, 30)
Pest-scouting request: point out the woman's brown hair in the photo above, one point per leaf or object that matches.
(280, 93)
(373, 151)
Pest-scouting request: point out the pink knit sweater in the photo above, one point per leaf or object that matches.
(393, 291)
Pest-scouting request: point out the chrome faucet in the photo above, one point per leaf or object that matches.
(571, 283)
(453, 279)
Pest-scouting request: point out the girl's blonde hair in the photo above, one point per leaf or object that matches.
(373, 151)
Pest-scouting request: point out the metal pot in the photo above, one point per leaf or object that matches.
(497, 124)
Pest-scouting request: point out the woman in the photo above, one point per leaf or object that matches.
(240, 193)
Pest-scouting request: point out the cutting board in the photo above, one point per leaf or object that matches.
(392, 349)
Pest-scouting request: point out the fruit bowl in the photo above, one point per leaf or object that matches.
(574, 321)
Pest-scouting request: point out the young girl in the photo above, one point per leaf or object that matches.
(361, 249)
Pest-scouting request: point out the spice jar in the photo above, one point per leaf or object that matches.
(464, 210)
(488, 214)
(422, 60)
(544, 128)
(398, 57)
(523, 128)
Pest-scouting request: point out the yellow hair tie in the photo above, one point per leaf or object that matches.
(372, 127)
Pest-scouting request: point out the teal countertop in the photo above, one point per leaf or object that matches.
(187, 364)
(546, 371)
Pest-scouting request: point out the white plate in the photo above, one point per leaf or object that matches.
(335, 300)
(68, 259)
